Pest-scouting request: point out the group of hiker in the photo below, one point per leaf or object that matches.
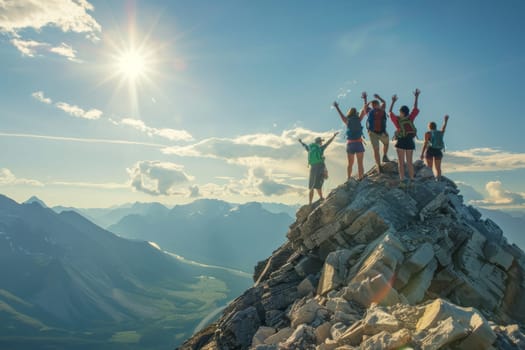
(376, 121)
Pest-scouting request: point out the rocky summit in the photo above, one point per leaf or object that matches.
(376, 266)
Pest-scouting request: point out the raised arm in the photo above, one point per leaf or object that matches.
(304, 145)
(364, 96)
(416, 96)
(444, 124)
(330, 139)
(343, 117)
(394, 99)
(383, 103)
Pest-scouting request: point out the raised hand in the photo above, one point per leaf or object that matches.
(417, 92)
(377, 96)
(336, 133)
(364, 95)
(394, 98)
(446, 117)
(335, 104)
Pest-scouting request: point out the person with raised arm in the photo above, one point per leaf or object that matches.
(354, 138)
(376, 125)
(433, 146)
(404, 136)
(317, 165)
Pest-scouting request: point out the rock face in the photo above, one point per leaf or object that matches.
(377, 267)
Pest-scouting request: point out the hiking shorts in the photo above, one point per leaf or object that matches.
(406, 143)
(433, 153)
(316, 176)
(354, 147)
(376, 137)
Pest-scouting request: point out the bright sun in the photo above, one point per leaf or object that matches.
(131, 64)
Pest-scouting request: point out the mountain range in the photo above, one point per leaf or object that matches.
(67, 283)
(211, 231)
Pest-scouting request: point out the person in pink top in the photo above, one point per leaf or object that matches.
(405, 133)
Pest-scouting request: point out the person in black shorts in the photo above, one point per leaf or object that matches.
(405, 134)
(433, 146)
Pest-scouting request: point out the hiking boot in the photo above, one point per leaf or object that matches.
(403, 184)
(385, 159)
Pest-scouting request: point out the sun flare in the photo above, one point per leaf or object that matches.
(131, 64)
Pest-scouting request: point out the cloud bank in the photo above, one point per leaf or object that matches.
(158, 178)
(8, 178)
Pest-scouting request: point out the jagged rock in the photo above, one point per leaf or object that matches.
(496, 255)
(240, 328)
(376, 267)
(302, 338)
(304, 312)
(445, 332)
(378, 320)
(373, 290)
(334, 272)
(280, 336)
(387, 341)
(322, 332)
(308, 265)
(416, 288)
(307, 286)
(262, 334)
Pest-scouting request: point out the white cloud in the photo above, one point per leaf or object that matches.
(499, 196)
(66, 51)
(158, 178)
(39, 96)
(170, 134)
(28, 48)
(8, 178)
(32, 48)
(67, 15)
(107, 185)
(78, 112)
(482, 159)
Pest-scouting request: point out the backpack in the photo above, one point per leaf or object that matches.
(436, 139)
(354, 129)
(406, 128)
(315, 154)
(370, 121)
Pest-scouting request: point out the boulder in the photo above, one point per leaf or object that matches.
(262, 334)
(305, 313)
(334, 272)
(280, 336)
(445, 332)
(378, 320)
(496, 255)
(387, 340)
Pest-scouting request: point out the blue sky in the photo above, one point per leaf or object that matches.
(224, 89)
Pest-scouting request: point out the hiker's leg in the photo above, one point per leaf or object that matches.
(430, 162)
(320, 193)
(310, 196)
(374, 140)
(438, 167)
(350, 157)
(377, 158)
(410, 164)
(401, 163)
(360, 167)
(385, 147)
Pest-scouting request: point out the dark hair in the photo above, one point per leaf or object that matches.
(432, 126)
(405, 110)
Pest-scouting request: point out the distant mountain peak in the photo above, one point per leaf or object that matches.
(35, 199)
(380, 266)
